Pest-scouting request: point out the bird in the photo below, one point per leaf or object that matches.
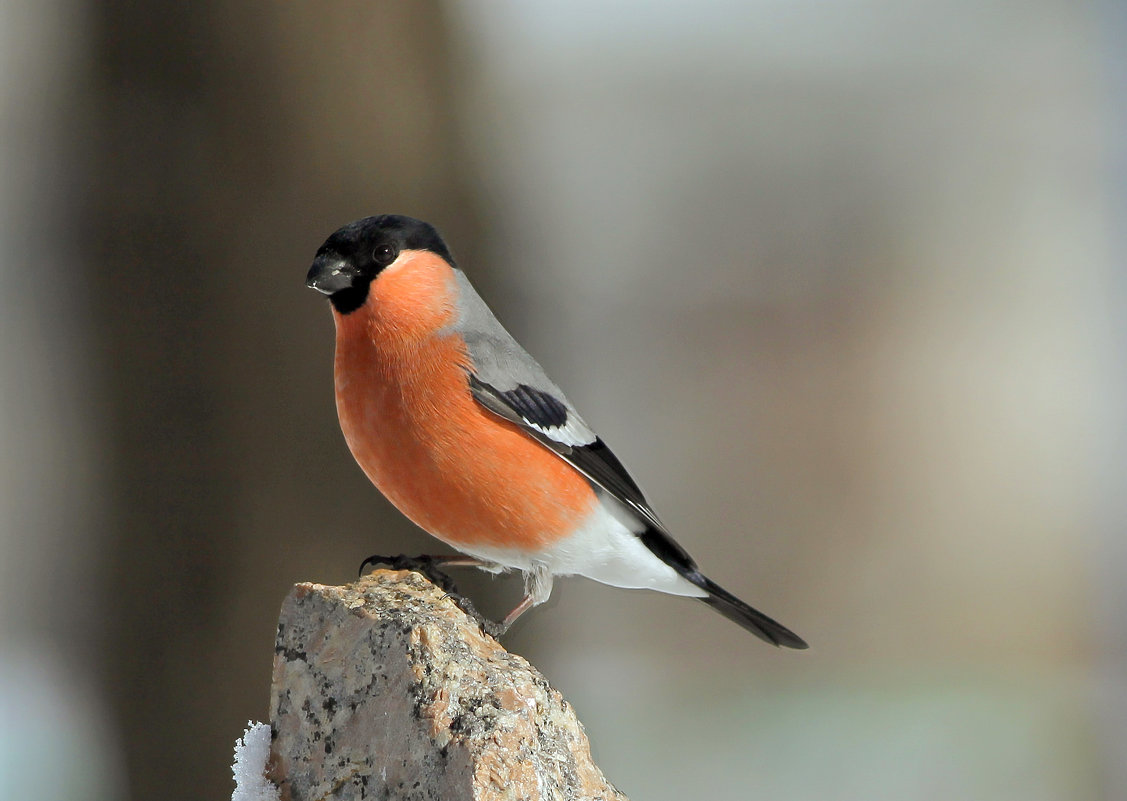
(463, 431)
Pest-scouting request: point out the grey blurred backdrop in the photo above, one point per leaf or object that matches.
(840, 282)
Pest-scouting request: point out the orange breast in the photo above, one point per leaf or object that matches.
(459, 472)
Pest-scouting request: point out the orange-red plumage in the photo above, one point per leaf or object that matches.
(407, 414)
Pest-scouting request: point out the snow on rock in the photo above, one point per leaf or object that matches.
(251, 755)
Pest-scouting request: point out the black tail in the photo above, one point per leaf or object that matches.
(737, 611)
(666, 548)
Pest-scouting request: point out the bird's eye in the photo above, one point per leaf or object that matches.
(384, 254)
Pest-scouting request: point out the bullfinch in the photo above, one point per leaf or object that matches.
(468, 437)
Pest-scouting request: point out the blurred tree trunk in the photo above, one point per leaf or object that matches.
(230, 139)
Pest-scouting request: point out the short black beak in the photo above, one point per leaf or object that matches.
(330, 274)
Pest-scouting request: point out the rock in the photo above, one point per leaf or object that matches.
(385, 689)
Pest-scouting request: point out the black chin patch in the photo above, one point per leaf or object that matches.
(346, 301)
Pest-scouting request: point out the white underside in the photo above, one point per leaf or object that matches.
(603, 549)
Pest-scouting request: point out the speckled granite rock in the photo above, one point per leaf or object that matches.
(384, 689)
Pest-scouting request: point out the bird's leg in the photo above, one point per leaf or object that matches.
(428, 566)
(537, 583)
(495, 630)
(537, 589)
(404, 562)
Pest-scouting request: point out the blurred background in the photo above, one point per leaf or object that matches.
(842, 283)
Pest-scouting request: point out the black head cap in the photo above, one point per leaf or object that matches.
(354, 255)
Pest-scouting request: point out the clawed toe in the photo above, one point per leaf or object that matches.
(424, 565)
(428, 566)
